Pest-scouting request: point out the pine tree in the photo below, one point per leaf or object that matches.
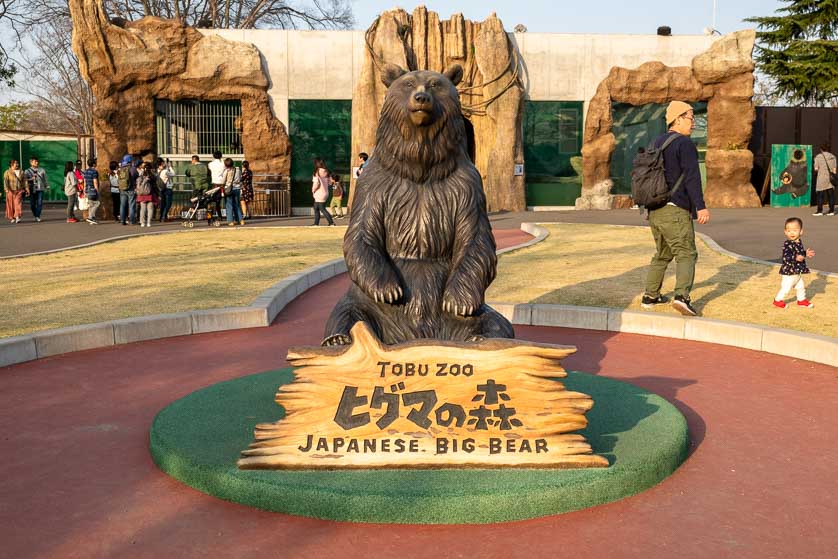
(799, 51)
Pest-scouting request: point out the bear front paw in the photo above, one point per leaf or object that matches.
(386, 292)
(459, 307)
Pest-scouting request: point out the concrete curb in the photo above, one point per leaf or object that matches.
(264, 309)
(540, 233)
(789, 343)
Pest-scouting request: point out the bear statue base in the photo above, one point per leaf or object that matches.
(426, 404)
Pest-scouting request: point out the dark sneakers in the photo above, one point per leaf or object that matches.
(683, 305)
(649, 302)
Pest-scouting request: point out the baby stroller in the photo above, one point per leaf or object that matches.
(202, 202)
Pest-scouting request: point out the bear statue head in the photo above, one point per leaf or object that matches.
(421, 133)
(423, 94)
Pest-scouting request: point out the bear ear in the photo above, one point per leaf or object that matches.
(454, 73)
(390, 73)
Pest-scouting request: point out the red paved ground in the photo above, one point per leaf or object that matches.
(78, 480)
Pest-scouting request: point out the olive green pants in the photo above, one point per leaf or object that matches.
(672, 228)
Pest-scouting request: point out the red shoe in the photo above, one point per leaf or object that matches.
(780, 304)
(72, 220)
(805, 303)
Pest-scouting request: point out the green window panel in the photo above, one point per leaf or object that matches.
(637, 126)
(318, 128)
(552, 136)
(51, 154)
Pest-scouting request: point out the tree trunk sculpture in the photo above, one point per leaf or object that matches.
(491, 91)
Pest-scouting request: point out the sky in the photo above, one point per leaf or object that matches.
(599, 16)
(566, 16)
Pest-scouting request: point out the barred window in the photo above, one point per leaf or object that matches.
(188, 127)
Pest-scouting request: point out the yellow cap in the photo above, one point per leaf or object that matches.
(676, 109)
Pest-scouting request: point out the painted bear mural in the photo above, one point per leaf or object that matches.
(419, 246)
(795, 177)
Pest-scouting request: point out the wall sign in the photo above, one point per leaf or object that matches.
(425, 404)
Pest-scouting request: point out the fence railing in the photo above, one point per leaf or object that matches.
(271, 196)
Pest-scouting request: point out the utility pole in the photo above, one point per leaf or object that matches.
(713, 25)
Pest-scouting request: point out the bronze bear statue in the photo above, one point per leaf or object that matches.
(419, 247)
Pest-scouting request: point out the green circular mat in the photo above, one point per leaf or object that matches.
(197, 440)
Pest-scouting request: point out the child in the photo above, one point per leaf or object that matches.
(337, 197)
(794, 265)
(145, 194)
(91, 190)
(362, 162)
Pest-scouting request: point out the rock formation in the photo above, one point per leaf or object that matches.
(152, 58)
(722, 76)
(491, 92)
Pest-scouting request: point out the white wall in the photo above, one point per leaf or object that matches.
(304, 64)
(566, 67)
(557, 67)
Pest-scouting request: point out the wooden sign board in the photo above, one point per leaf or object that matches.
(426, 404)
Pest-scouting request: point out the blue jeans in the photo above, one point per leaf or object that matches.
(320, 207)
(234, 206)
(165, 203)
(36, 202)
(128, 206)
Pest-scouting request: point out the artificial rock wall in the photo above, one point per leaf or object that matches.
(152, 58)
(491, 91)
(722, 76)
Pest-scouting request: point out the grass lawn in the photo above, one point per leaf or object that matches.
(156, 274)
(605, 266)
(578, 264)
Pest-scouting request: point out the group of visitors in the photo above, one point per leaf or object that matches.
(131, 184)
(140, 191)
(233, 185)
(17, 183)
(324, 185)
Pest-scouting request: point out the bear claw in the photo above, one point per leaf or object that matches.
(389, 296)
(336, 340)
(459, 310)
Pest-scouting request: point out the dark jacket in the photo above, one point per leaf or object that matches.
(682, 157)
(133, 174)
(198, 174)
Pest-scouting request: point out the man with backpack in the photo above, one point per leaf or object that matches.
(127, 181)
(672, 204)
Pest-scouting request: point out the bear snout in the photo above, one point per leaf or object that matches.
(422, 98)
(421, 107)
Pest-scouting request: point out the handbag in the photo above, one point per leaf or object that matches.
(84, 203)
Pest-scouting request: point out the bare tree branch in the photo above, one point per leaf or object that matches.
(52, 76)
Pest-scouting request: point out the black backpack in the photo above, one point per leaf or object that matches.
(648, 182)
